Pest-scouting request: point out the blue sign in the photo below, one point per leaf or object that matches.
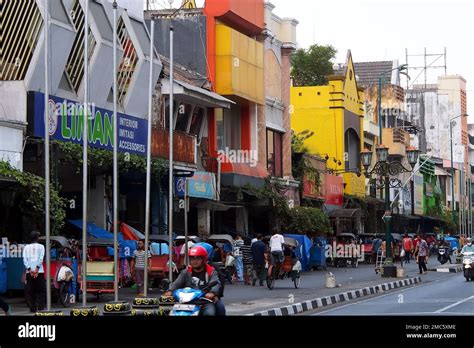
(201, 185)
(66, 123)
(180, 186)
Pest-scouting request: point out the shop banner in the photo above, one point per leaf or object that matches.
(333, 190)
(66, 123)
(418, 179)
(201, 185)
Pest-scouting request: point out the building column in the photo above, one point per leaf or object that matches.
(286, 97)
(204, 222)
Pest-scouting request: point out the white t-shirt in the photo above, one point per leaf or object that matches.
(276, 242)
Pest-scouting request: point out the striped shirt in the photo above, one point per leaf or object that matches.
(139, 256)
(247, 254)
(238, 244)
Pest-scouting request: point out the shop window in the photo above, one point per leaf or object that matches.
(274, 153)
(182, 117)
(196, 121)
(228, 128)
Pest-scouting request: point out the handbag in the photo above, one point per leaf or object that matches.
(229, 261)
(402, 253)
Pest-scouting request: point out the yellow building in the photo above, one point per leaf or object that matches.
(335, 114)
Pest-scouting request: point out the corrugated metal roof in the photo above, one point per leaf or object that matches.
(368, 72)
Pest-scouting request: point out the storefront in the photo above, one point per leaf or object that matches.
(66, 126)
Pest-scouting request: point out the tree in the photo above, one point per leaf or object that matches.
(310, 67)
(309, 221)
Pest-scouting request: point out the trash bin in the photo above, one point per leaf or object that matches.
(317, 255)
(3, 276)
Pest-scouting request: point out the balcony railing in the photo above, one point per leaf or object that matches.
(184, 146)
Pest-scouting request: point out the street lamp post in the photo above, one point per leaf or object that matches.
(387, 170)
(451, 123)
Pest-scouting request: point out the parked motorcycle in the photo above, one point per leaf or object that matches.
(190, 301)
(443, 255)
(467, 260)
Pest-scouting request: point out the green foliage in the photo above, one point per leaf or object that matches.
(271, 191)
(298, 140)
(310, 67)
(32, 191)
(309, 221)
(104, 159)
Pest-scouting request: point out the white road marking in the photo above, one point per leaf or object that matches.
(454, 304)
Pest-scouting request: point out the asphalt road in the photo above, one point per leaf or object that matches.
(448, 295)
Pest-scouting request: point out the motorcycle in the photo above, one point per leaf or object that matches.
(443, 255)
(190, 301)
(467, 261)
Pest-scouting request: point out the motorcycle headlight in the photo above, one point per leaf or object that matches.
(467, 261)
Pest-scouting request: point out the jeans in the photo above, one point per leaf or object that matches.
(239, 268)
(259, 272)
(4, 306)
(220, 309)
(208, 310)
(407, 256)
(277, 256)
(422, 264)
(35, 292)
(140, 279)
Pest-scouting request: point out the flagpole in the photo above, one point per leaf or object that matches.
(148, 160)
(170, 184)
(116, 172)
(84, 159)
(46, 156)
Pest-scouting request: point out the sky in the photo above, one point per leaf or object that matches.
(383, 29)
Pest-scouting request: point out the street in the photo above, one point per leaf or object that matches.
(448, 295)
(436, 292)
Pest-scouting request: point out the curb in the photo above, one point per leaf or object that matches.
(342, 297)
(455, 269)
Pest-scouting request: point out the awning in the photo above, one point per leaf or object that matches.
(441, 172)
(195, 95)
(345, 213)
(217, 206)
(6, 182)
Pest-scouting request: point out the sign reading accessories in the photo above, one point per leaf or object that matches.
(66, 123)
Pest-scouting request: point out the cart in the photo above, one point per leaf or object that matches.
(379, 261)
(317, 255)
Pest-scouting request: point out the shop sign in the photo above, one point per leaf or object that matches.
(201, 185)
(66, 123)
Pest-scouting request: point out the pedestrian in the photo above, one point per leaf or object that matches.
(237, 253)
(408, 247)
(258, 250)
(248, 262)
(422, 254)
(138, 266)
(276, 249)
(376, 244)
(35, 290)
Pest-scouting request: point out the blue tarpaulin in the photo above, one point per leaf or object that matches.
(127, 247)
(304, 247)
(454, 242)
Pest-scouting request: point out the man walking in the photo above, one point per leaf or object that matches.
(138, 266)
(422, 254)
(248, 262)
(258, 257)
(408, 247)
(35, 290)
(239, 263)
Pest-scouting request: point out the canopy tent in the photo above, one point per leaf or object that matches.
(303, 249)
(130, 233)
(127, 247)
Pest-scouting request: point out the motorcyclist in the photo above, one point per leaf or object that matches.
(445, 245)
(220, 307)
(469, 247)
(197, 276)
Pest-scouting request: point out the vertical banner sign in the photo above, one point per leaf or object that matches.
(418, 196)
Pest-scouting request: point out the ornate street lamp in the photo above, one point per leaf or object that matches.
(385, 172)
(382, 153)
(412, 156)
